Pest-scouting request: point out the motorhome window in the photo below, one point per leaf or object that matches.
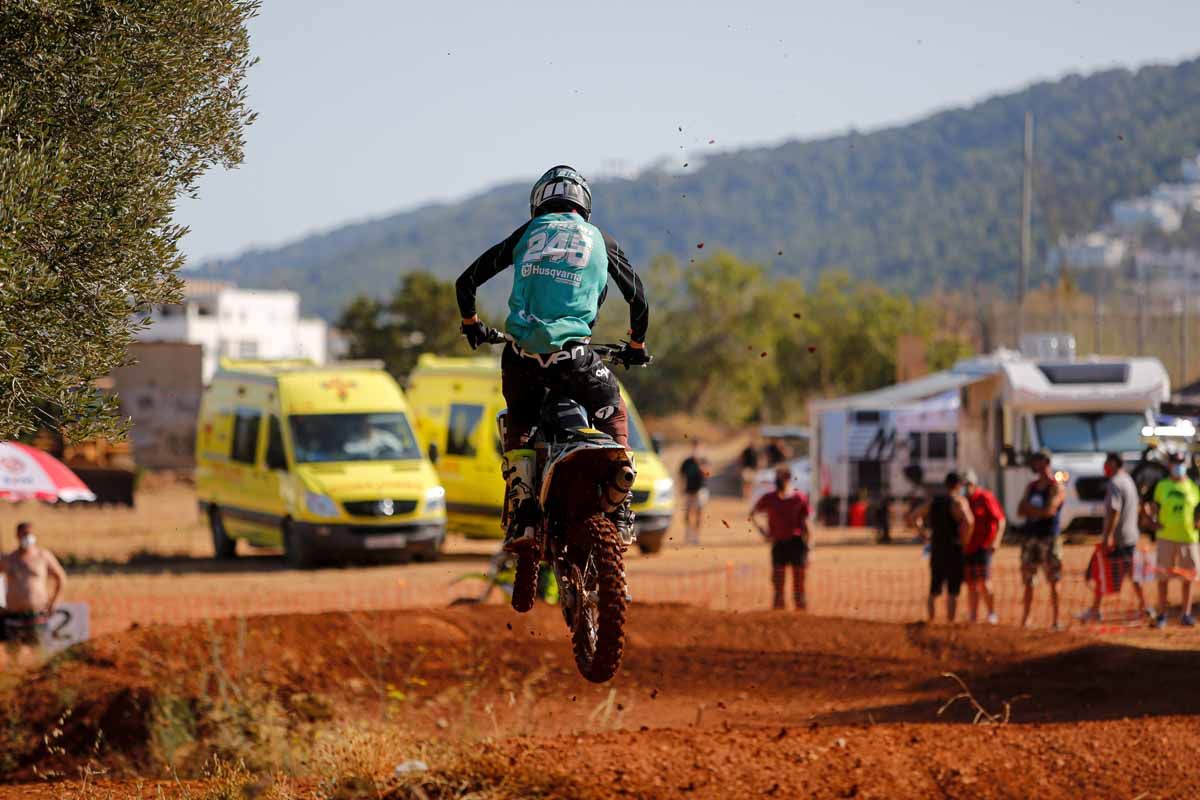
(866, 417)
(464, 423)
(1085, 373)
(245, 435)
(1119, 432)
(1090, 433)
(937, 445)
(914, 446)
(384, 436)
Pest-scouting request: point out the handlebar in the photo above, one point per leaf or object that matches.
(609, 353)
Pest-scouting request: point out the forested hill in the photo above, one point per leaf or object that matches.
(932, 202)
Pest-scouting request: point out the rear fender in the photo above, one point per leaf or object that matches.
(598, 458)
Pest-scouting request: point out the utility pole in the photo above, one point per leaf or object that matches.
(1185, 356)
(1140, 278)
(1026, 236)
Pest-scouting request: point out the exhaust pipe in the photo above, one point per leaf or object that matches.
(618, 486)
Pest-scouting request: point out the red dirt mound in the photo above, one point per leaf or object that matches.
(1144, 759)
(706, 699)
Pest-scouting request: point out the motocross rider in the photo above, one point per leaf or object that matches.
(562, 266)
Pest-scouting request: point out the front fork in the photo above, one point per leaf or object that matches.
(567, 575)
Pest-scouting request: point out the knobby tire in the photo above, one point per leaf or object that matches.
(525, 581)
(601, 663)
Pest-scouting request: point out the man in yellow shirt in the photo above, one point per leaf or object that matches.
(1176, 499)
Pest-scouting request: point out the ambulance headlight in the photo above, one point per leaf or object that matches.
(664, 491)
(435, 499)
(320, 505)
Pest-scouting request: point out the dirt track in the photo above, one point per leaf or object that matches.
(708, 704)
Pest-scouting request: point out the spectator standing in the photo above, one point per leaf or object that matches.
(986, 533)
(787, 513)
(1119, 536)
(1041, 507)
(776, 454)
(945, 522)
(694, 471)
(33, 581)
(749, 459)
(1176, 499)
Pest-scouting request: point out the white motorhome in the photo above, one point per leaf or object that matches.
(1078, 410)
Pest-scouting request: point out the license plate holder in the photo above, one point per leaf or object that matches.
(385, 541)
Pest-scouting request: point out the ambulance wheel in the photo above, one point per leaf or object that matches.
(296, 550)
(224, 548)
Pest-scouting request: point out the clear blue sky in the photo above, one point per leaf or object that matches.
(372, 106)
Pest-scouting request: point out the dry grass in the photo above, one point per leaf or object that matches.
(982, 715)
(164, 521)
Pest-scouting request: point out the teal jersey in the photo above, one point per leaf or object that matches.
(561, 264)
(560, 267)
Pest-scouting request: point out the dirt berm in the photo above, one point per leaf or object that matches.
(708, 704)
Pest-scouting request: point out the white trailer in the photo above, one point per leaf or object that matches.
(869, 443)
(926, 448)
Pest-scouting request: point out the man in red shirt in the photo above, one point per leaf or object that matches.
(977, 554)
(787, 530)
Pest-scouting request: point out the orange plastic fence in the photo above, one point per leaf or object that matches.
(886, 593)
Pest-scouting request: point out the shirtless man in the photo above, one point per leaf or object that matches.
(28, 571)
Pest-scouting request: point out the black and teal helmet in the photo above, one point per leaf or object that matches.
(561, 186)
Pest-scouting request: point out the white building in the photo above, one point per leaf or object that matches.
(1183, 197)
(1091, 251)
(1191, 169)
(239, 323)
(1145, 212)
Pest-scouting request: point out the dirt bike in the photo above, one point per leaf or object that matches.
(502, 567)
(583, 475)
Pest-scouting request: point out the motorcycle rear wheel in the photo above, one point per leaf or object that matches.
(598, 635)
(525, 581)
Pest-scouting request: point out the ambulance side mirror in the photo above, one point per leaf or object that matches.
(433, 453)
(656, 442)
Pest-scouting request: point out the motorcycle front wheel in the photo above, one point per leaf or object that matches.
(525, 580)
(598, 635)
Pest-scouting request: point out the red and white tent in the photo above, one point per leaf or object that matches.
(27, 473)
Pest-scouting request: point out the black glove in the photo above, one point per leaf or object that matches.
(632, 356)
(477, 333)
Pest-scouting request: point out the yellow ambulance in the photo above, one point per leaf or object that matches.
(456, 401)
(319, 460)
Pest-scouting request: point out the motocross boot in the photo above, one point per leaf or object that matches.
(520, 506)
(623, 518)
